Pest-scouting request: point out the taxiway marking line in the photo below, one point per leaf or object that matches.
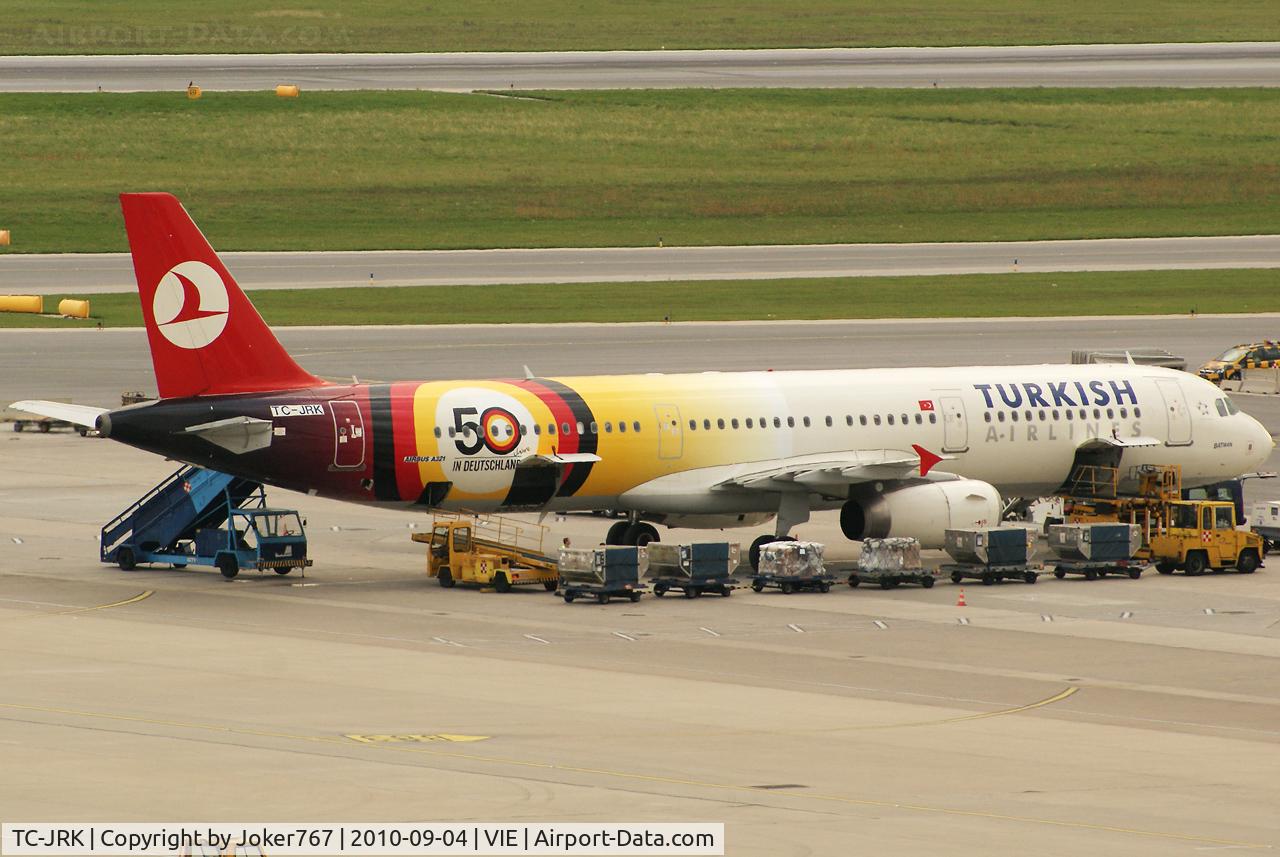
(141, 596)
(654, 778)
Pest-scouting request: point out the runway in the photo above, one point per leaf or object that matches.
(89, 273)
(1210, 64)
(1117, 717)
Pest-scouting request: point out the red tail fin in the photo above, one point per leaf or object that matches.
(206, 338)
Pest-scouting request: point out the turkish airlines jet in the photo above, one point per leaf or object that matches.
(905, 452)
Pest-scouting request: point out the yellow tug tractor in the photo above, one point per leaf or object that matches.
(488, 551)
(1202, 535)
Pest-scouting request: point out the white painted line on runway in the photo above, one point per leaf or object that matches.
(537, 639)
(1045, 617)
(1127, 614)
(16, 540)
(448, 642)
(1208, 611)
(796, 628)
(624, 636)
(963, 620)
(882, 626)
(709, 631)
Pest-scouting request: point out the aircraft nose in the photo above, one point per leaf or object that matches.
(1261, 443)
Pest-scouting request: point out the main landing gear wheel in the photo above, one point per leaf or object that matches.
(641, 534)
(617, 534)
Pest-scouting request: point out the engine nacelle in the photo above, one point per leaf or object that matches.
(922, 512)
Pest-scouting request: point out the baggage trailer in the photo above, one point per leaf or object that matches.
(890, 563)
(694, 569)
(603, 573)
(792, 567)
(1096, 550)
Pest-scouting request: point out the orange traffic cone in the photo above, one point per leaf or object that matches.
(960, 599)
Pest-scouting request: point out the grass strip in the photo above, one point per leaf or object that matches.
(247, 26)
(388, 170)
(957, 296)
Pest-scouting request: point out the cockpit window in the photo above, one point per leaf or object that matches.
(1231, 355)
(1222, 407)
(1232, 409)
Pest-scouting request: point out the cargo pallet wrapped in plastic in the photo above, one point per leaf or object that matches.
(891, 562)
(792, 566)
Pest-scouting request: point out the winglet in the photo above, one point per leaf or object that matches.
(927, 458)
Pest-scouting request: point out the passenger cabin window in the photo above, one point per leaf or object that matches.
(749, 423)
(635, 425)
(608, 427)
(564, 428)
(862, 419)
(890, 419)
(876, 419)
(828, 422)
(537, 429)
(438, 431)
(622, 427)
(777, 422)
(734, 422)
(806, 422)
(706, 425)
(791, 422)
(693, 425)
(720, 424)
(848, 420)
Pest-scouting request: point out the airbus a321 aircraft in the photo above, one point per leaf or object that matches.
(898, 451)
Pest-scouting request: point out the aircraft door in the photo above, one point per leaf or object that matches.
(670, 436)
(348, 435)
(955, 428)
(1175, 409)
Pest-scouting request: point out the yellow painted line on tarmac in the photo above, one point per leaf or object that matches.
(141, 596)
(678, 781)
(1057, 697)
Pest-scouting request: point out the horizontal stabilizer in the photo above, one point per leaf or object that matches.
(236, 434)
(81, 415)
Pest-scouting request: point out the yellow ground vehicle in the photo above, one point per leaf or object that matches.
(1254, 355)
(1093, 498)
(489, 551)
(1202, 535)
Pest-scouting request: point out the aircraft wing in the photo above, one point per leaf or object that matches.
(81, 415)
(827, 470)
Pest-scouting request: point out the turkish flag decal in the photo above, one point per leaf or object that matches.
(925, 404)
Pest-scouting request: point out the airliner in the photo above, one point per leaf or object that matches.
(899, 452)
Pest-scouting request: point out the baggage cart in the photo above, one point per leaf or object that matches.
(693, 569)
(890, 563)
(792, 566)
(991, 546)
(602, 573)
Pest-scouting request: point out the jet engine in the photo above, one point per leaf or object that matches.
(921, 511)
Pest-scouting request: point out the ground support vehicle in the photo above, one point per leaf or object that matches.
(991, 574)
(694, 569)
(1095, 569)
(45, 425)
(890, 563)
(603, 573)
(206, 518)
(1201, 536)
(1266, 523)
(488, 551)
